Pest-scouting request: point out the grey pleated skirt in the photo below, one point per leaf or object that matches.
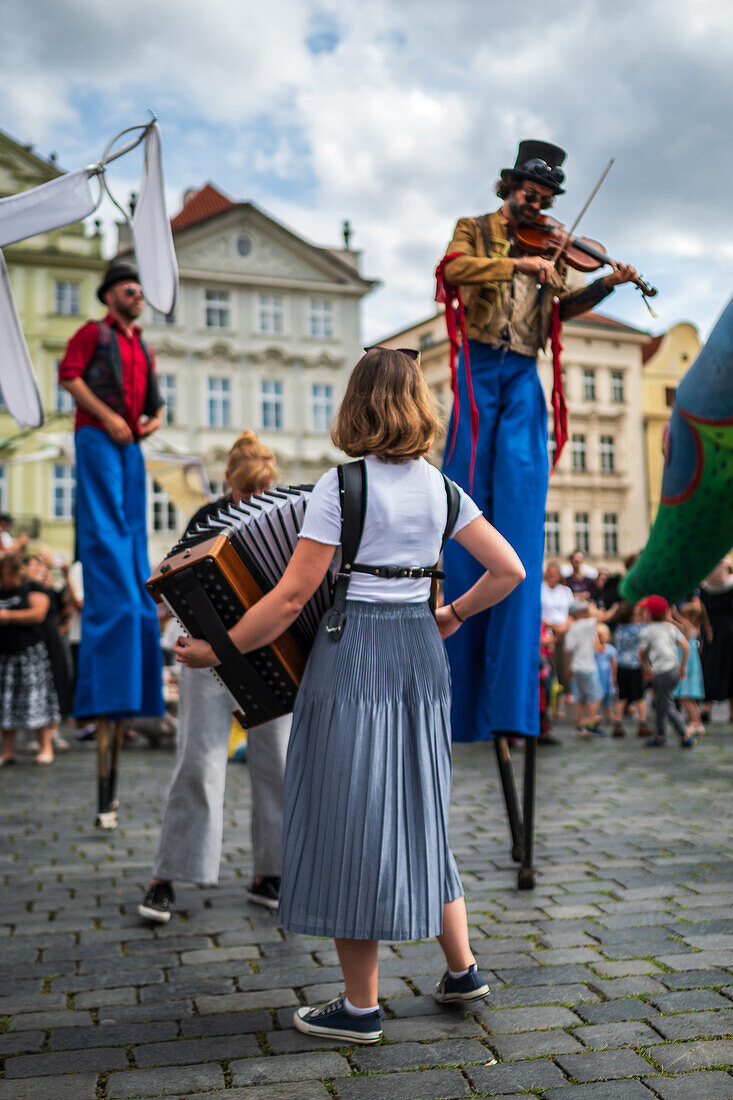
(367, 781)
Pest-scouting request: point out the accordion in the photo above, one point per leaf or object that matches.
(219, 570)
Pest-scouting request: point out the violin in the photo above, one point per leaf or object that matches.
(547, 237)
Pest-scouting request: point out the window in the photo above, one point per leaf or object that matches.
(4, 507)
(552, 533)
(159, 318)
(669, 396)
(617, 387)
(551, 446)
(582, 532)
(427, 339)
(272, 314)
(577, 449)
(589, 385)
(164, 511)
(564, 377)
(218, 403)
(320, 318)
(63, 401)
(608, 454)
(167, 386)
(322, 403)
(63, 491)
(610, 535)
(67, 297)
(271, 403)
(217, 308)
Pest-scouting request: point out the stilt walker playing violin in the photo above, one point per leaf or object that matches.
(511, 302)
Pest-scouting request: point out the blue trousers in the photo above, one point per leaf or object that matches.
(120, 659)
(494, 657)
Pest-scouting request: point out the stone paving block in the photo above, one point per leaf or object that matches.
(99, 1059)
(198, 956)
(390, 988)
(131, 1013)
(291, 1041)
(445, 1084)
(712, 1086)
(539, 1073)
(531, 1044)
(232, 1023)
(604, 1090)
(610, 1011)
(415, 1006)
(288, 1067)
(696, 979)
(443, 1026)
(699, 960)
(603, 1065)
(75, 1038)
(559, 956)
(408, 1055)
(626, 968)
(245, 1002)
(217, 1049)
(96, 998)
(21, 1042)
(625, 1033)
(503, 1021)
(634, 986)
(514, 996)
(679, 1057)
(695, 1025)
(540, 975)
(31, 1002)
(690, 1000)
(307, 1090)
(72, 1086)
(170, 1081)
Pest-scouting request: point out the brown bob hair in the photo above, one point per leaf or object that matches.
(387, 410)
(251, 464)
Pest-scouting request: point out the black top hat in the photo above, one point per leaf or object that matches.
(539, 161)
(116, 273)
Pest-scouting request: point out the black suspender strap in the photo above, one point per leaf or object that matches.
(453, 501)
(353, 498)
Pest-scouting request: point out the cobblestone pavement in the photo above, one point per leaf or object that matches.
(612, 980)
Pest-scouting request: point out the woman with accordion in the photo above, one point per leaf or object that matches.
(367, 782)
(190, 843)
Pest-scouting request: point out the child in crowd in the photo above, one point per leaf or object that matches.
(660, 663)
(367, 785)
(581, 667)
(606, 663)
(627, 639)
(692, 620)
(548, 686)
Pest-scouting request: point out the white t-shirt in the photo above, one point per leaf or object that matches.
(556, 603)
(405, 518)
(660, 641)
(580, 641)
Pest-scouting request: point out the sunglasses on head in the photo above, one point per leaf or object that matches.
(541, 168)
(411, 353)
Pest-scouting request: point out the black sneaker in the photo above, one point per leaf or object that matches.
(266, 892)
(157, 903)
(336, 1021)
(470, 987)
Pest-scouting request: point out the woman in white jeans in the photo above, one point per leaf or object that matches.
(190, 842)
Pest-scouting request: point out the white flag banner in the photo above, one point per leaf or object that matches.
(151, 231)
(59, 202)
(17, 380)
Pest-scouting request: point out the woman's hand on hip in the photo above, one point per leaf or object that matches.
(446, 621)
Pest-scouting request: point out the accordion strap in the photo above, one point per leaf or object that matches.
(353, 498)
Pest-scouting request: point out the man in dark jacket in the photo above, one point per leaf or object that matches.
(110, 373)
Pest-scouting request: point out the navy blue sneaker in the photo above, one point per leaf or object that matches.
(335, 1021)
(471, 987)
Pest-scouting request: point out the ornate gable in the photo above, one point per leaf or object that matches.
(21, 168)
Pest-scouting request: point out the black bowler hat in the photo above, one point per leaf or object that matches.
(539, 161)
(116, 273)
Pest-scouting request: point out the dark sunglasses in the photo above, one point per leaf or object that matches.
(411, 353)
(541, 168)
(132, 291)
(533, 199)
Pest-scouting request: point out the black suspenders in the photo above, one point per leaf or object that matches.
(353, 498)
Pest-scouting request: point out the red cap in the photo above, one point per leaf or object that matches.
(656, 605)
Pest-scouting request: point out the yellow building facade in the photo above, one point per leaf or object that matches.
(666, 359)
(53, 277)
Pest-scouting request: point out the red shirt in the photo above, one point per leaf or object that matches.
(79, 353)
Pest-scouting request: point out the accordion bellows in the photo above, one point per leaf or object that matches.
(219, 570)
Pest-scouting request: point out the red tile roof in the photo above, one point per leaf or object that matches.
(200, 205)
(650, 347)
(601, 320)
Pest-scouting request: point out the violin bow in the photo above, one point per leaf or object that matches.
(569, 232)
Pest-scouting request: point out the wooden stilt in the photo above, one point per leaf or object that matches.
(526, 876)
(506, 774)
(106, 817)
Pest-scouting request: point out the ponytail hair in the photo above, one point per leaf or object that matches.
(251, 464)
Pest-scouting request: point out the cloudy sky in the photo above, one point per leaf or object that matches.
(398, 114)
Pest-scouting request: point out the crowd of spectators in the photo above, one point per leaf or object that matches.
(604, 656)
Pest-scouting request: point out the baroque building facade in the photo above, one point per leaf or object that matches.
(597, 497)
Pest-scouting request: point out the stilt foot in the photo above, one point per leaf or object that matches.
(107, 820)
(525, 878)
